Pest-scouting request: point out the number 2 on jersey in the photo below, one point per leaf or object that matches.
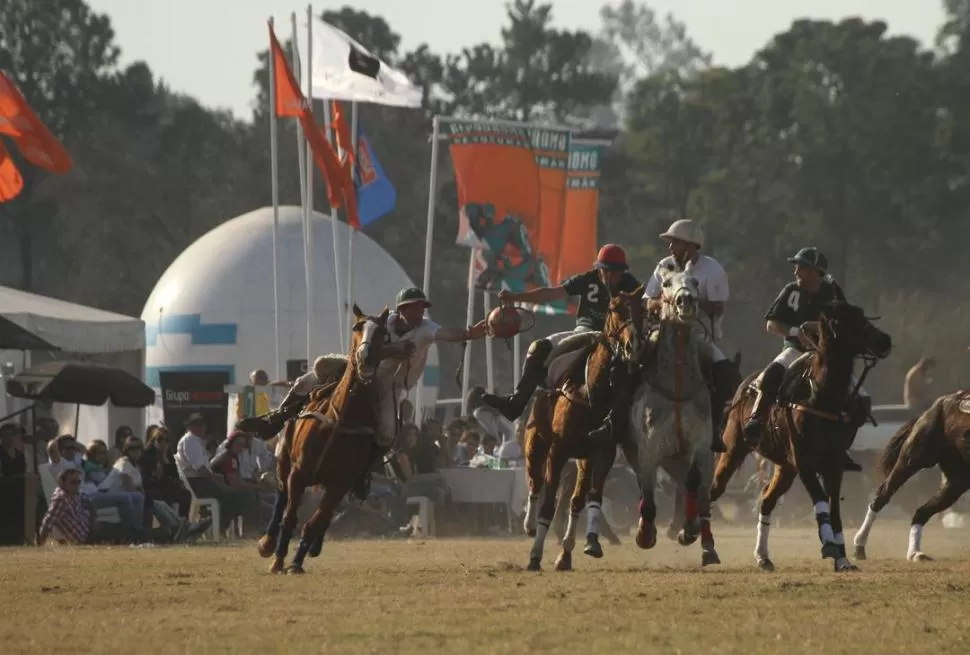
(593, 293)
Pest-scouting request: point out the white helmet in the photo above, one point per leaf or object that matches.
(685, 230)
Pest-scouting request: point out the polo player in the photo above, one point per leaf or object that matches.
(593, 289)
(685, 239)
(796, 309)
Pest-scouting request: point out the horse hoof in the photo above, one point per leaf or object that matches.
(295, 569)
(276, 566)
(534, 564)
(766, 564)
(564, 562)
(919, 557)
(673, 533)
(843, 565)
(685, 538)
(830, 550)
(266, 546)
(709, 557)
(860, 553)
(646, 535)
(593, 548)
(315, 548)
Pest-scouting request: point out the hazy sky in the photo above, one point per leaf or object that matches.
(207, 48)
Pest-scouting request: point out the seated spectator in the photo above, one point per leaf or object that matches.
(159, 473)
(423, 478)
(254, 458)
(193, 461)
(512, 453)
(13, 462)
(425, 455)
(409, 437)
(489, 444)
(70, 518)
(100, 487)
(63, 453)
(122, 434)
(466, 448)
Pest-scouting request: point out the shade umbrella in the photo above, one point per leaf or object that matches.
(81, 383)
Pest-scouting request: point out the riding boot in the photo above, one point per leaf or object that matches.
(725, 380)
(533, 373)
(362, 488)
(771, 381)
(270, 423)
(858, 415)
(617, 421)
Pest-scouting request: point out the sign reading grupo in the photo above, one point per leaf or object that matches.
(187, 392)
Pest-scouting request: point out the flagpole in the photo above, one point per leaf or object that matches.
(350, 237)
(469, 317)
(489, 350)
(428, 237)
(308, 210)
(342, 311)
(300, 153)
(275, 185)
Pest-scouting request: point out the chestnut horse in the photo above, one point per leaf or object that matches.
(558, 428)
(938, 437)
(809, 429)
(330, 443)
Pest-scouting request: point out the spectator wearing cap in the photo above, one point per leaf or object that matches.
(71, 518)
(193, 461)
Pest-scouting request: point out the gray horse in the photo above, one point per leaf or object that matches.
(671, 416)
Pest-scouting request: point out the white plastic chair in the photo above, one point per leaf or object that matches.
(213, 505)
(425, 514)
(48, 483)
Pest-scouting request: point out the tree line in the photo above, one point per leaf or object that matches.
(834, 134)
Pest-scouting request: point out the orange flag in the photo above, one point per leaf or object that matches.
(341, 128)
(33, 139)
(291, 103)
(11, 183)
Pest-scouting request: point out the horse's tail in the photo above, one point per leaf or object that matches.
(920, 427)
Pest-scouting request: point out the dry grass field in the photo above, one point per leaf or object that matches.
(474, 596)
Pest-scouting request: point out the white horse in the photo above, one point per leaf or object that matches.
(671, 416)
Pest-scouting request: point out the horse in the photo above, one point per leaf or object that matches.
(809, 427)
(940, 436)
(330, 443)
(671, 417)
(558, 428)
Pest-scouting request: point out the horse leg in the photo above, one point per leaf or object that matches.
(646, 528)
(902, 471)
(706, 472)
(832, 480)
(536, 452)
(730, 461)
(267, 543)
(780, 483)
(315, 529)
(295, 484)
(601, 464)
(605, 528)
(692, 526)
(810, 480)
(953, 487)
(565, 560)
(550, 486)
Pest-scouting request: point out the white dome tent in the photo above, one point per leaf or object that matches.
(213, 308)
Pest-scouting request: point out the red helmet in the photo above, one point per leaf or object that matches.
(611, 257)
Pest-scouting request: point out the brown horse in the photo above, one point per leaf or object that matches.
(331, 443)
(808, 430)
(938, 437)
(558, 428)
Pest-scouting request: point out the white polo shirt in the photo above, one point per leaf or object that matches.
(712, 283)
(406, 374)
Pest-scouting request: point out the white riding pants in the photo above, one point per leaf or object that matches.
(554, 339)
(788, 356)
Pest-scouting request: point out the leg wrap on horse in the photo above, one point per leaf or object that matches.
(533, 372)
(767, 396)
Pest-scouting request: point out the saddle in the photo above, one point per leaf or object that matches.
(796, 385)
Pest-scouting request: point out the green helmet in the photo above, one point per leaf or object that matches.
(812, 258)
(411, 295)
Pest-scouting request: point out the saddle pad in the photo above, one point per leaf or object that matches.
(561, 365)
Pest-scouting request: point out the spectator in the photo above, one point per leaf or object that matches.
(255, 459)
(449, 441)
(13, 462)
(467, 447)
(193, 462)
(489, 444)
(423, 478)
(71, 518)
(916, 391)
(63, 453)
(99, 486)
(122, 434)
(512, 453)
(410, 434)
(426, 453)
(159, 473)
(260, 400)
(491, 420)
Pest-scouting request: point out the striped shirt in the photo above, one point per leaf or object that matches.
(69, 516)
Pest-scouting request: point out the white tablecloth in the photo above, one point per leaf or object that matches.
(501, 486)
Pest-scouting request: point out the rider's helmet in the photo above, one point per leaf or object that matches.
(611, 257)
(410, 296)
(812, 258)
(685, 230)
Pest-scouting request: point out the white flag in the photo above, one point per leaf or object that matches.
(345, 70)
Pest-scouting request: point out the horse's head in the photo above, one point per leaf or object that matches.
(368, 337)
(624, 320)
(846, 327)
(681, 291)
